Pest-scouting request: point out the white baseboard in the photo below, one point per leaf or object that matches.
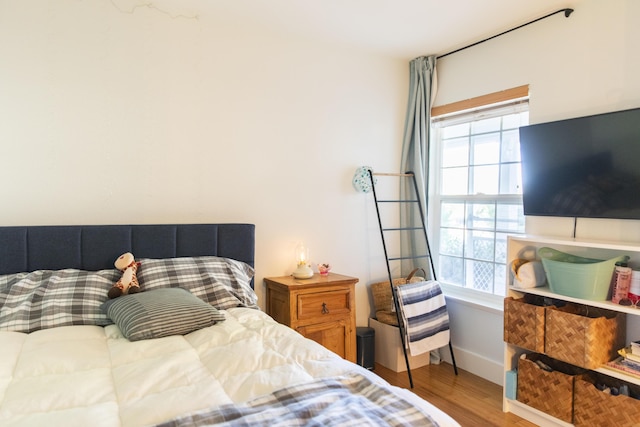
(476, 364)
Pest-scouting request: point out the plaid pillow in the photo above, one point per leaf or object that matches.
(221, 282)
(160, 313)
(50, 298)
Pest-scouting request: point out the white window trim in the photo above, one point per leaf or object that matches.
(478, 113)
(494, 303)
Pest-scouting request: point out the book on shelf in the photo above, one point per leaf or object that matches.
(629, 355)
(624, 366)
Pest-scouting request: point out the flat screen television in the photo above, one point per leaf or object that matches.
(587, 167)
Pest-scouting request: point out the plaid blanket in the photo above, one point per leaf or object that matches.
(341, 401)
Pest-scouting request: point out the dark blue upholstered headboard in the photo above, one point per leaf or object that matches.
(96, 247)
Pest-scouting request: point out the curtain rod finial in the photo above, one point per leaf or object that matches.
(568, 12)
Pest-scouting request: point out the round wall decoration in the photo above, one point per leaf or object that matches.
(362, 180)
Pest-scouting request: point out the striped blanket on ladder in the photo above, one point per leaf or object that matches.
(425, 317)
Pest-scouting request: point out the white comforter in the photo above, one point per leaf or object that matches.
(90, 375)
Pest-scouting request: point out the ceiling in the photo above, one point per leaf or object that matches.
(402, 28)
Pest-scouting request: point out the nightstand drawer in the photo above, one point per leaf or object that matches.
(317, 304)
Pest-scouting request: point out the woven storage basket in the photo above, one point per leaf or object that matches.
(550, 392)
(524, 324)
(383, 301)
(584, 336)
(593, 407)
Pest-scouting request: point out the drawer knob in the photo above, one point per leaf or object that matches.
(325, 310)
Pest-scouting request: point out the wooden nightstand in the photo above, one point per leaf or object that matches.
(321, 308)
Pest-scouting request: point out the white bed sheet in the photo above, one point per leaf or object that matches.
(90, 375)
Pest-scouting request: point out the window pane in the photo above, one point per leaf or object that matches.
(479, 275)
(455, 131)
(501, 246)
(452, 215)
(510, 146)
(499, 283)
(451, 270)
(510, 179)
(481, 216)
(486, 125)
(454, 181)
(484, 179)
(510, 218)
(513, 121)
(451, 241)
(486, 149)
(479, 245)
(455, 152)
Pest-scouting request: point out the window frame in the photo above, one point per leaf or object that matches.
(500, 103)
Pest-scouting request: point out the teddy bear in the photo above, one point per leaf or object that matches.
(128, 283)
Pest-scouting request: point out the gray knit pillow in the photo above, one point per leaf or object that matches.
(160, 313)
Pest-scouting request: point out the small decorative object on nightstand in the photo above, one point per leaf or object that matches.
(324, 269)
(321, 308)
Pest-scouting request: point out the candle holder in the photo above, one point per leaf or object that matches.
(303, 271)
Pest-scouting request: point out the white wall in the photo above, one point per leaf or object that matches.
(585, 64)
(111, 113)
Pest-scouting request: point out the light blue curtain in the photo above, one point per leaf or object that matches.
(415, 157)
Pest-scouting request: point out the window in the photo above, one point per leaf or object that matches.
(476, 193)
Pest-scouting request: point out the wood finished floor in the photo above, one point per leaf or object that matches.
(470, 400)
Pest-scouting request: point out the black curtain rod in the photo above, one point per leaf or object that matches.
(567, 13)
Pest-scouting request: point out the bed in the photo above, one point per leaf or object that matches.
(70, 356)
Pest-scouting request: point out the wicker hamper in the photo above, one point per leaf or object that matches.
(550, 392)
(584, 336)
(383, 301)
(524, 324)
(594, 408)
